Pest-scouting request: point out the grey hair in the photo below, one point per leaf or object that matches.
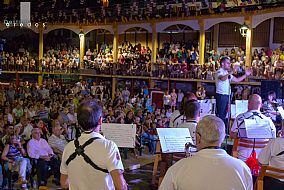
(211, 130)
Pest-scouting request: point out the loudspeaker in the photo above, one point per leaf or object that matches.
(271, 85)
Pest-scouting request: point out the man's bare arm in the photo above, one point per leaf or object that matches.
(118, 180)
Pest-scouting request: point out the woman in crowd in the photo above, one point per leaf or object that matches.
(13, 154)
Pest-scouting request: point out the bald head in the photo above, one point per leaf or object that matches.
(255, 102)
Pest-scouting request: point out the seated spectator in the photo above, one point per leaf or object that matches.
(273, 155)
(43, 128)
(25, 128)
(42, 113)
(238, 128)
(57, 141)
(42, 153)
(8, 131)
(14, 153)
(210, 162)
(150, 134)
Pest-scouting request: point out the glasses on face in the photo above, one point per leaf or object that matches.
(198, 133)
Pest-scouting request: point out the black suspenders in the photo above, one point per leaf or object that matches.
(80, 151)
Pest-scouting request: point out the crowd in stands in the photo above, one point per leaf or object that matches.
(132, 60)
(58, 58)
(61, 57)
(100, 60)
(174, 60)
(20, 61)
(71, 11)
(178, 60)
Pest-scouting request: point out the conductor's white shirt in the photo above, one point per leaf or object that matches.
(222, 87)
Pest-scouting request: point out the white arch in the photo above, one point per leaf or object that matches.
(122, 28)
(88, 29)
(213, 21)
(161, 26)
(257, 19)
(74, 28)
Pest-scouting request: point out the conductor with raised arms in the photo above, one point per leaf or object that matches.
(223, 79)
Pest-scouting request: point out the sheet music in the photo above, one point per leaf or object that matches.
(174, 144)
(253, 127)
(281, 111)
(233, 111)
(122, 134)
(241, 106)
(173, 139)
(207, 107)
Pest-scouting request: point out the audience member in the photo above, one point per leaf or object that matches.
(42, 153)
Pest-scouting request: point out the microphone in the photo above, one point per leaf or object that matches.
(189, 144)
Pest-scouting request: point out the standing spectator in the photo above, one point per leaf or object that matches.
(167, 100)
(173, 99)
(179, 97)
(125, 95)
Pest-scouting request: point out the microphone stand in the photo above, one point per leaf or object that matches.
(228, 114)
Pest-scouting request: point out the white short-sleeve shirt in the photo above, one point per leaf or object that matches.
(104, 153)
(208, 169)
(176, 119)
(222, 87)
(269, 154)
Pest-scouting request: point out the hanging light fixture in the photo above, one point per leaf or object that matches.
(243, 30)
(105, 3)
